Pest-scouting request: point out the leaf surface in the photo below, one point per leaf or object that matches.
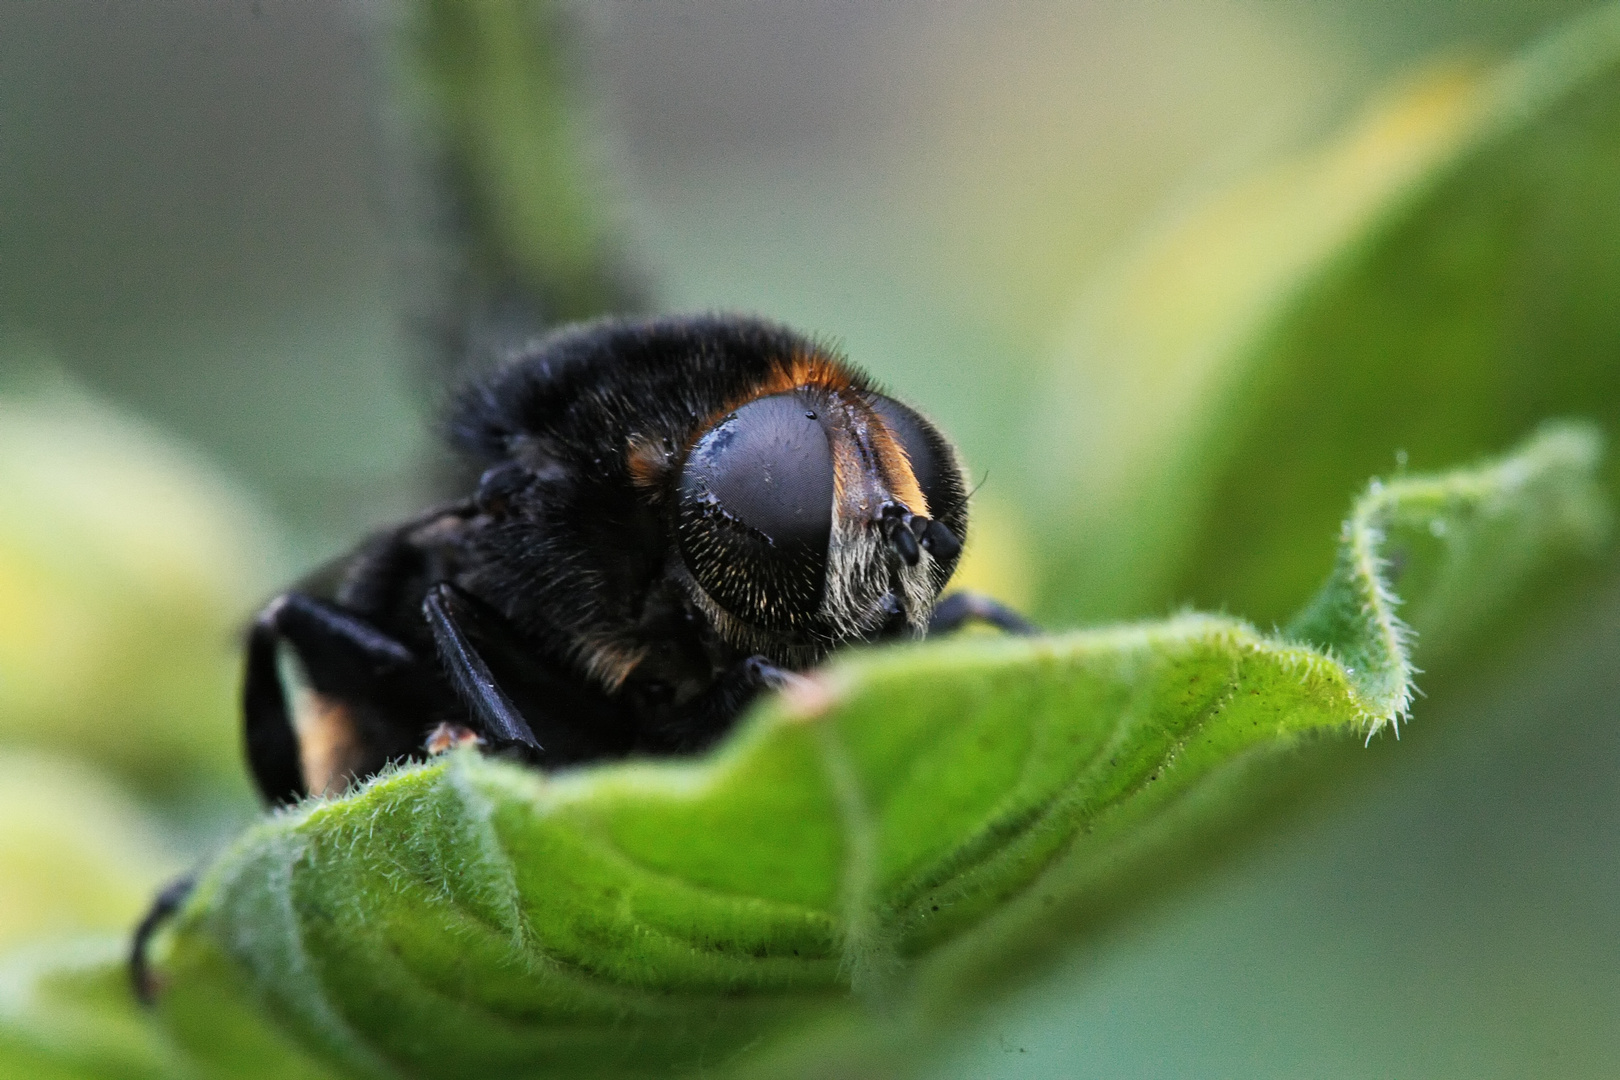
(1419, 290)
(862, 854)
(822, 895)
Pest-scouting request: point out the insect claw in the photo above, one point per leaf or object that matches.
(447, 737)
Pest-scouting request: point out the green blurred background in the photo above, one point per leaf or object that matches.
(204, 224)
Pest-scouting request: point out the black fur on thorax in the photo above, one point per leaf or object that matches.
(589, 388)
(577, 556)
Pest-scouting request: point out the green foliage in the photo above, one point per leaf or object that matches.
(1434, 282)
(66, 1013)
(125, 564)
(1460, 544)
(488, 84)
(868, 855)
(69, 1014)
(76, 853)
(867, 851)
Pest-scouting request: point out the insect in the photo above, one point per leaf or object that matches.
(673, 515)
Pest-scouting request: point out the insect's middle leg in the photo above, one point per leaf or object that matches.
(519, 697)
(496, 719)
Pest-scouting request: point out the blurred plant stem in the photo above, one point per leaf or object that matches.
(494, 107)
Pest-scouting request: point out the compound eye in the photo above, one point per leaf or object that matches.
(924, 448)
(755, 515)
(768, 466)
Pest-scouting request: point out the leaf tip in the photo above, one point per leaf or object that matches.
(809, 697)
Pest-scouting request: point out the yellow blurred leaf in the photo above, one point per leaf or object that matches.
(127, 566)
(76, 854)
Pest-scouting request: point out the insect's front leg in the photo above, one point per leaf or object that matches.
(710, 715)
(959, 608)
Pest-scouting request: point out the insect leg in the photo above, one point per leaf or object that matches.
(340, 651)
(711, 714)
(759, 673)
(446, 608)
(164, 908)
(960, 607)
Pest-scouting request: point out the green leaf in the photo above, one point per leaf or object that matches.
(66, 1013)
(125, 566)
(76, 854)
(1461, 542)
(863, 856)
(1435, 281)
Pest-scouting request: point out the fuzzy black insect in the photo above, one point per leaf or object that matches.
(673, 515)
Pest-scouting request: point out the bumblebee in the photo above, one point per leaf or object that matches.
(673, 514)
